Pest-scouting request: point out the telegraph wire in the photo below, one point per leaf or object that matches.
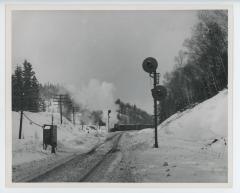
(31, 121)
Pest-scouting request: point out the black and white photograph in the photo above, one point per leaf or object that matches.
(119, 96)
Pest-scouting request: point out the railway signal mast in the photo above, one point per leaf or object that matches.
(159, 92)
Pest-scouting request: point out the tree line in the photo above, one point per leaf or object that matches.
(130, 114)
(29, 95)
(201, 67)
(25, 89)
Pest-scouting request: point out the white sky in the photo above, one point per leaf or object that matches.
(73, 47)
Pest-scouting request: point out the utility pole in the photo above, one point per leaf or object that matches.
(60, 103)
(21, 117)
(73, 112)
(20, 127)
(60, 99)
(82, 123)
(52, 119)
(109, 111)
(24, 98)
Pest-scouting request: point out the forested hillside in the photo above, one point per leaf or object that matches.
(130, 114)
(201, 67)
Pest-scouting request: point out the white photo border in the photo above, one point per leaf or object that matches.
(11, 7)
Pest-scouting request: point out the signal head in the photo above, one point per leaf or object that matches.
(150, 65)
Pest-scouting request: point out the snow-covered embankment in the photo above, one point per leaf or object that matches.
(192, 146)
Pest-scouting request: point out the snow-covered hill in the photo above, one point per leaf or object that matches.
(205, 121)
(70, 138)
(192, 146)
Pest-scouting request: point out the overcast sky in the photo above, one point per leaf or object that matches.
(75, 47)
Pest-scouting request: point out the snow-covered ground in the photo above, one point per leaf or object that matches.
(192, 146)
(71, 139)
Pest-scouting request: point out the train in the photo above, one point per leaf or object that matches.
(129, 127)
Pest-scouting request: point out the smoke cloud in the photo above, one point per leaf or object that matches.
(95, 96)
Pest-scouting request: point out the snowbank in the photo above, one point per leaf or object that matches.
(205, 121)
(70, 138)
(192, 146)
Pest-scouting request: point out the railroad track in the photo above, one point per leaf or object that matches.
(79, 168)
(91, 172)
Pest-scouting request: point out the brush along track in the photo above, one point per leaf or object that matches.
(80, 167)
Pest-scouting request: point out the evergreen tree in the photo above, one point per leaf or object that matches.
(17, 88)
(130, 114)
(25, 89)
(27, 85)
(35, 94)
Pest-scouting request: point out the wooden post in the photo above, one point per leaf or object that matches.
(73, 112)
(60, 101)
(20, 126)
(21, 117)
(109, 111)
(52, 119)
